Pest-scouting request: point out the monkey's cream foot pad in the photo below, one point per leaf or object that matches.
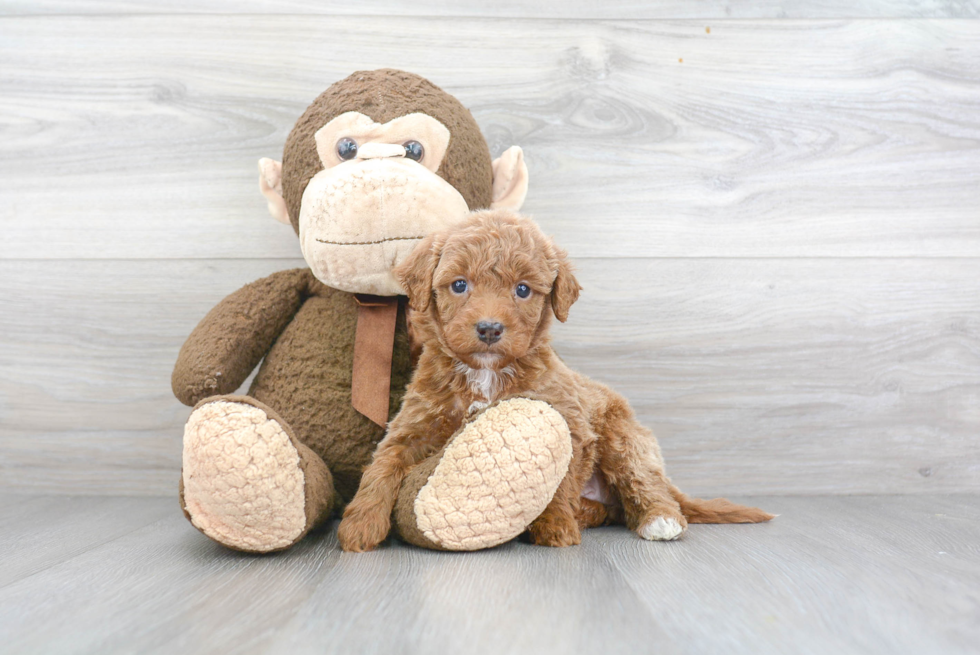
(242, 481)
(495, 476)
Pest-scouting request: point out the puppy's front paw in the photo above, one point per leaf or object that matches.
(557, 533)
(662, 528)
(360, 532)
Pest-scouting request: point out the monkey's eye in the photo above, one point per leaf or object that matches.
(347, 148)
(414, 150)
(522, 290)
(459, 286)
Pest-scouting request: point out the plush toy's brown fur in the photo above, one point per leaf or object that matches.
(383, 95)
(305, 332)
(492, 253)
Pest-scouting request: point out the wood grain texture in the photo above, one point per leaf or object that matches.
(850, 575)
(516, 8)
(38, 532)
(759, 376)
(847, 575)
(770, 138)
(775, 221)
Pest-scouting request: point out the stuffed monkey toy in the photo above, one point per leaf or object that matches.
(377, 162)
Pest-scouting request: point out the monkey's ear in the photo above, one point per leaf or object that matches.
(415, 272)
(509, 180)
(270, 183)
(564, 292)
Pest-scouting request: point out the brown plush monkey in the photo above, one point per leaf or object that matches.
(378, 161)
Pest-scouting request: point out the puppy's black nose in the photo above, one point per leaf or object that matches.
(489, 332)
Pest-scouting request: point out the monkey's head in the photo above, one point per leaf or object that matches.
(377, 162)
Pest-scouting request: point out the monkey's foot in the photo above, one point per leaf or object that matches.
(493, 478)
(247, 483)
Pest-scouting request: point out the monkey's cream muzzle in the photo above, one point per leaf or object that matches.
(361, 218)
(362, 215)
(366, 210)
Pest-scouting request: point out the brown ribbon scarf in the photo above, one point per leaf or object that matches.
(374, 344)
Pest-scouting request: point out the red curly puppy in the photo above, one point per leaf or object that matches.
(483, 295)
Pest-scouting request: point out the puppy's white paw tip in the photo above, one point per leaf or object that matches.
(661, 529)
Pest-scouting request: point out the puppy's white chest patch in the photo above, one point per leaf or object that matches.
(485, 382)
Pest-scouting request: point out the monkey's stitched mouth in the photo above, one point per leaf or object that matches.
(368, 243)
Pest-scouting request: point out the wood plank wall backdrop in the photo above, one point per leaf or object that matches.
(774, 208)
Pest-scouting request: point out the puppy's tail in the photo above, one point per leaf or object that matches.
(717, 510)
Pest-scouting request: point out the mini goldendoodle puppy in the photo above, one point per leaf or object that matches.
(483, 294)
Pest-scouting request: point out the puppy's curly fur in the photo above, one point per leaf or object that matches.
(483, 294)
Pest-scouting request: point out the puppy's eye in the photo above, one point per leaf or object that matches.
(522, 290)
(459, 286)
(347, 148)
(414, 150)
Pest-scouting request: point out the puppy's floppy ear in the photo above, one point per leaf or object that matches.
(415, 272)
(564, 291)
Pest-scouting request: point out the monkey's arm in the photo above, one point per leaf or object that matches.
(234, 336)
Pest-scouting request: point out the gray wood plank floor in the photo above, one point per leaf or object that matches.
(861, 574)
